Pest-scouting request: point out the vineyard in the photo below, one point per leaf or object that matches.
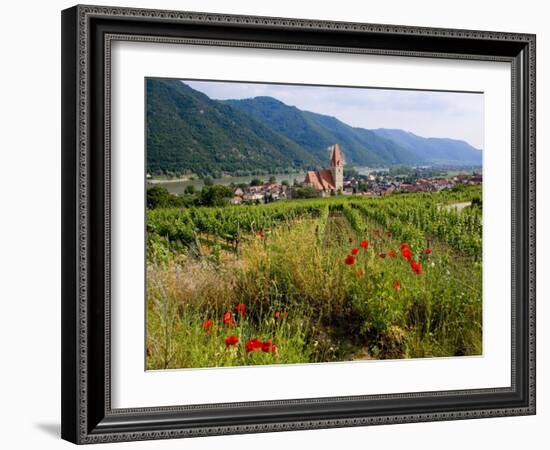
(329, 279)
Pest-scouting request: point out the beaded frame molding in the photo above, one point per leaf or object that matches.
(87, 35)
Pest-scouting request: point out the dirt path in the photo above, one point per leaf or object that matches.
(458, 206)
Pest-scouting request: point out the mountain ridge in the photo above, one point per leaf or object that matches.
(189, 132)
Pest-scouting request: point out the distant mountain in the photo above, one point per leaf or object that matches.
(189, 132)
(361, 146)
(433, 150)
(315, 132)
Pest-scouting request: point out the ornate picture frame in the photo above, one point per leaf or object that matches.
(88, 33)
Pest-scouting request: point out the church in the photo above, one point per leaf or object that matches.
(328, 180)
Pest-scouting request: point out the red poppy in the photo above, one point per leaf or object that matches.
(403, 245)
(253, 345)
(427, 251)
(231, 340)
(241, 308)
(228, 319)
(260, 233)
(354, 251)
(392, 253)
(277, 314)
(207, 324)
(406, 252)
(396, 285)
(268, 346)
(416, 267)
(350, 260)
(382, 255)
(365, 244)
(360, 273)
(284, 314)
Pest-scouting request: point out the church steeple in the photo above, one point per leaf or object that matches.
(337, 166)
(336, 156)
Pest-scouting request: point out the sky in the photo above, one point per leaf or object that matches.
(457, 115)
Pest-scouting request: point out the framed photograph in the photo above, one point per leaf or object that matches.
(280, 224)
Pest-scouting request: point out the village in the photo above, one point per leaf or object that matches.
(332, 181)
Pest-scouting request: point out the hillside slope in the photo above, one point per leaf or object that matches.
(187, 131)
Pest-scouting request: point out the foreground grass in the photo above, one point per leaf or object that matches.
(300, 296)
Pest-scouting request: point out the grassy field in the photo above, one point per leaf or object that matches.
(335, 279)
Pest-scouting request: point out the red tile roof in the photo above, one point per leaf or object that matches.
(321, 180)
(326, 179)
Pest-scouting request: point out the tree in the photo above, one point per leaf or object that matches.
(189, 189)
(256, 182)
(305, 192)
(157, 197)
(285, 183)
(215, 195)
(208, 181)
(272, 179)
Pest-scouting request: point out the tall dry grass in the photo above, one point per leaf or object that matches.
(326, 310)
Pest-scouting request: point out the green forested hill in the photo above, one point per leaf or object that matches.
(316, 132)
(189, 132)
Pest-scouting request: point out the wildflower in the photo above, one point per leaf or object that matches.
(406, 252)
(364, 244)
(354, 251)
(360, 273)
(231, 340)
(427, 251)
(268, 346)
(253, 345)
(228, 319)
(260, 233)
(416, 267)
(392, 253)
(396, 285)
(403, 245)
(207, 324)
(350, 240)
(350, 260)
(241, 309)
(382, 255)
(277, 314)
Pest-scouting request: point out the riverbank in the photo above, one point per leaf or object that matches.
(178, 186)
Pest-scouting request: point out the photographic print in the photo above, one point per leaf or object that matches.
(311, 224)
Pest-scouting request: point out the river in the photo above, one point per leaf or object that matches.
(178, 186)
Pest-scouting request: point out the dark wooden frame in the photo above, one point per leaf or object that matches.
(87, 32)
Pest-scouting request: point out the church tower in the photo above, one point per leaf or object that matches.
(337, 166)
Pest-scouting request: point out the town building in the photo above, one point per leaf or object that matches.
(328, 180)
